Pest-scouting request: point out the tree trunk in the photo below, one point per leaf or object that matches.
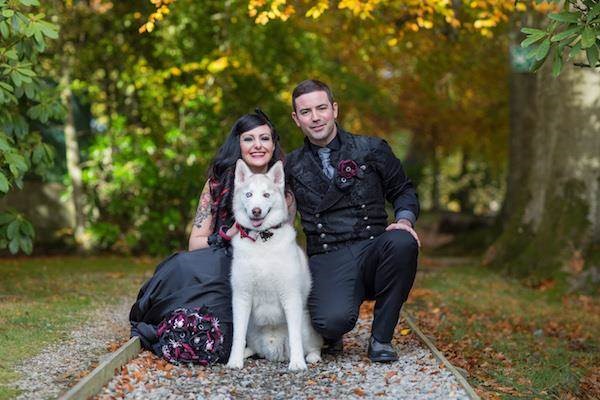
(552, 212)
(73, 163)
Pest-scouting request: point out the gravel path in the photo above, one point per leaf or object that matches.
(416, 375)
(59, 365)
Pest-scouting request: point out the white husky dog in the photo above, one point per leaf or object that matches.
(270, 279)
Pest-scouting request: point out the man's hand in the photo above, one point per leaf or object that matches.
(405, 225)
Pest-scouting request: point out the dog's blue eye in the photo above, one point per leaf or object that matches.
(267, 195)
(248, 194)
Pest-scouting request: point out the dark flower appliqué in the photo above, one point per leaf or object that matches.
(347, 169)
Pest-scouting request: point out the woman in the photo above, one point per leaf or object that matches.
(184, 311)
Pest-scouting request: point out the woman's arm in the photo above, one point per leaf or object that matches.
(203, 222)
(291, 205)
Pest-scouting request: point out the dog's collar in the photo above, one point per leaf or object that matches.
(264, 235)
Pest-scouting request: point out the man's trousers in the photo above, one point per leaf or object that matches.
(382, 269)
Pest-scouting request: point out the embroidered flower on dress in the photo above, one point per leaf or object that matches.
(191, 336)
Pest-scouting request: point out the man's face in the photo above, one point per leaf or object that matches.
(315, 116)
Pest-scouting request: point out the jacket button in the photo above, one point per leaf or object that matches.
(322, 235)
(317, 215)
(371, 237)
(363, 205)
(368, 227)
(320, 226)
(325, 246)
(366, 217)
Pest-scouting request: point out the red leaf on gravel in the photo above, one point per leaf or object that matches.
(359, 392)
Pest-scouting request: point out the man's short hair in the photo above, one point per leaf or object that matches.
(309, 86)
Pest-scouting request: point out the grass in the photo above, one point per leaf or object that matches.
(43, 299)
(515, 342)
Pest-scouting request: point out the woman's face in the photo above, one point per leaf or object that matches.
(257, 148)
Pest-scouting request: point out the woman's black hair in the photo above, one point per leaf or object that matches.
(222, 168)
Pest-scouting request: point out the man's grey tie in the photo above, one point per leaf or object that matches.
(324, 154)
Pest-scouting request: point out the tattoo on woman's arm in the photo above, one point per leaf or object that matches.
(203, 211)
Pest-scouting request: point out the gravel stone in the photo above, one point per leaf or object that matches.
(416, 375)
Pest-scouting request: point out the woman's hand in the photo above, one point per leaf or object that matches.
(231, 232)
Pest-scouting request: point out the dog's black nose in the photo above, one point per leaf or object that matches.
(256, 211)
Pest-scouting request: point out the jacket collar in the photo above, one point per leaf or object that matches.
(308, 170)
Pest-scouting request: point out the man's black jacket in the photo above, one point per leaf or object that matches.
(351, 206)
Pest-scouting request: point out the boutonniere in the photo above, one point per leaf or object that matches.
(347, 170)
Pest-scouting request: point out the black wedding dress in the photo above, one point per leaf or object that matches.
(185, 280)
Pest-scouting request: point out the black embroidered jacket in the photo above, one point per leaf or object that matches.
(351, 207)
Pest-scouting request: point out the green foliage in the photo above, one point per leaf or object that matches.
(571, 33)
(162, 103)
(25, 99)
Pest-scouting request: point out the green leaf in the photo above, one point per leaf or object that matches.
(12, 54)
(13, 246)
(565, 16)
(27, 229)
(557, 64)
(37, 154)
(13, 229)
(4, 185)
(4, 145)
(533, 31)
(566, 34)
(16, 161)
(5, 218)
(588, 37)
(26, 72)
(592, 55)
(48, 29)
(575, 50)
(26, 245)
(8, 13)
(542, 50)
(4, 29)
(532, 39)
(29, 2)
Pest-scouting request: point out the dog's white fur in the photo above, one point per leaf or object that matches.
(270, 279)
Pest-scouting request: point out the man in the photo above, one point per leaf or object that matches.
(341, 182)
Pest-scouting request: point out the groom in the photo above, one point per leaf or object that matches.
(341, 182)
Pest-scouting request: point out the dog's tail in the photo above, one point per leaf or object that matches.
(273, 343)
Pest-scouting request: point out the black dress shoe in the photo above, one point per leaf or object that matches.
(333, 346)
(381, 352)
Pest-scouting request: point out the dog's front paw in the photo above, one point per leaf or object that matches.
(313, 358)
(235, 363)
(297, 365)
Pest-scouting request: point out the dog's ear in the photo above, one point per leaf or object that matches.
(277, 174)
(242, 172)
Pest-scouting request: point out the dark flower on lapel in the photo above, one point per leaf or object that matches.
(347, 169)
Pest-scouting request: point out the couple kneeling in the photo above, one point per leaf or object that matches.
(340, 183)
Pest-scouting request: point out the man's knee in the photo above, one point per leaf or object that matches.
(400, 242)
(333, 325)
